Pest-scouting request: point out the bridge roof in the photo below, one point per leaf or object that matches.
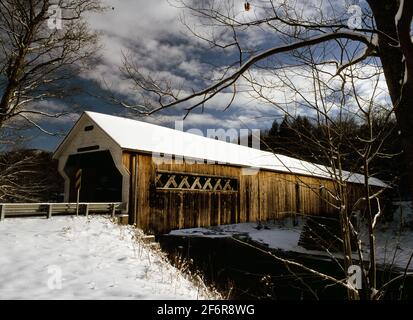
(142, 136)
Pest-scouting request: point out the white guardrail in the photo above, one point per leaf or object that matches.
(51, 209)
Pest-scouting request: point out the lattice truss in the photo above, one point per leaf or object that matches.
(183, 181)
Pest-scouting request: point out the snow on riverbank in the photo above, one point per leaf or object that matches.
(275, 234)
(394, 240)
(89, 258)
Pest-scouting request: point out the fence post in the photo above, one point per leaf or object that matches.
(86, 208)
(2, 211)
(113, 210)
(49, 210)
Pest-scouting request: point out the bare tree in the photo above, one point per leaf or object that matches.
(29, 176)
(335, 56)
(331, 105)
(381, 30)
(334, 108)
(43, 44)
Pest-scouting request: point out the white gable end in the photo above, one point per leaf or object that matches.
(87, 136)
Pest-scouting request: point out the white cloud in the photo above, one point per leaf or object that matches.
(153, 34)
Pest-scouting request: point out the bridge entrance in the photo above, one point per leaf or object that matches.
(101, 180)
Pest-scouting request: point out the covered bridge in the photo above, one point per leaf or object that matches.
(173, 179)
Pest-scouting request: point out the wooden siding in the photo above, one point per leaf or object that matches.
(261, 196)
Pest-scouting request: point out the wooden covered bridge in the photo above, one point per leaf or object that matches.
(172, 179)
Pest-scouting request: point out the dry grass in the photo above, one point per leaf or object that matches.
(155, 255)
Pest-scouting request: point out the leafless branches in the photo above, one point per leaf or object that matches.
(38, 58)
(28, 176)
(332, 59)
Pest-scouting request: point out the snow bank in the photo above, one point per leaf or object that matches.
(95, 258)
(277, 235)
(394, 241)
(274, 235)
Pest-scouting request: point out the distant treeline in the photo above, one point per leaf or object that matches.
(303, 138)
(29, 176)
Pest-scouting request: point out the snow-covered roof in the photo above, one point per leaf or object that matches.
(137, 135)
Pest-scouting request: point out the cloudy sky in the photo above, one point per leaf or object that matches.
(152, 35)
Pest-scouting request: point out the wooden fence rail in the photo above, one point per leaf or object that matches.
(50, 209)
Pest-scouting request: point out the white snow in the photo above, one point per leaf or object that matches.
(137, 135)
(394, 240)
(399, 13)
(278, 235)
(97, 260)
(275, 235)
(375, 40)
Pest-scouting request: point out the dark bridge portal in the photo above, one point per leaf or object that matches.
(101, 180)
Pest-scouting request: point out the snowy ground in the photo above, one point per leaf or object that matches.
(394, 240)
(85, 258)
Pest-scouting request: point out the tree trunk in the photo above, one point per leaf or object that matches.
(405, 121)
(391, 56)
